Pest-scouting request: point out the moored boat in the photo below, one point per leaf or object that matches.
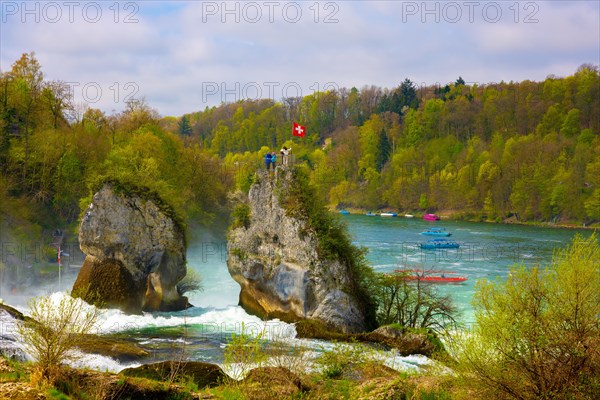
(431, 217)
(344, 212)
(408, 216)
(436, 232)
(370, 214)
(439, 244)
(388, 214)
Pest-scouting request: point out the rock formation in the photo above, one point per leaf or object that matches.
(274, 258)
(135, 251)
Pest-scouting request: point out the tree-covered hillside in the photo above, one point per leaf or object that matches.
(53, 153)
(528, 149)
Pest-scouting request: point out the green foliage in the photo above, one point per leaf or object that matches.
(537, 335)
(243, 353)
(525, 149)
(241, 254)
(184, 126)
(341, 359)
(241, 216)
(57, 394)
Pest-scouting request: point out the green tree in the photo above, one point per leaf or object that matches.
(423, 203)
(184, 128)
(537, 335)
(592, 206)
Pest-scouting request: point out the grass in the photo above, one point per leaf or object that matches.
(360, 380)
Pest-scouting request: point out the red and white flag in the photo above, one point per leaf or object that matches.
(298, 130)
(59, 254)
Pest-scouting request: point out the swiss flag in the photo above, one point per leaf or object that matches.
(59, 254)
(298, 130)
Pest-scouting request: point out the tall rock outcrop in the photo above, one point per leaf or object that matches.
(135, 251)
(273, 255)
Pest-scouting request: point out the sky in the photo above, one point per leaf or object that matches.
(184, 56)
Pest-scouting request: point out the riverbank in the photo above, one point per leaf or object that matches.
(342, 379)
(469, 216)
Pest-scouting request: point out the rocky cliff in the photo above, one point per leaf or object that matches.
(273, 253)
(135, 251)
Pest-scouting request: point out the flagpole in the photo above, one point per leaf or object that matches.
(59, 280)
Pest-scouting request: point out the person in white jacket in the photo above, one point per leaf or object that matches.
(285, 152)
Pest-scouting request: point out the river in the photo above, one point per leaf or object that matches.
(487, 251)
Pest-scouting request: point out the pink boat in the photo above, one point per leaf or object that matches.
(431, 217)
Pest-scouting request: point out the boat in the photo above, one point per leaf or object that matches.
(370, 214)
(431, 217)
(432, 276)
(434, 244)
(344, 212)
(388, 214)
(435, 232)
(408, 216)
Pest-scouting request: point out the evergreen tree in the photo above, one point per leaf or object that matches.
(185, 129)
(384, 150)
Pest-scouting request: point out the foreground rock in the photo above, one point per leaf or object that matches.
(406, 343)
(135, 251)
(274, 258)
(202, 374)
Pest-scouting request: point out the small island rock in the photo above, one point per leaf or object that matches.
(135, 251)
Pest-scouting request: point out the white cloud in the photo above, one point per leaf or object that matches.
(175, 50)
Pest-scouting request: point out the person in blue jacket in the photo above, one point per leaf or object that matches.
(268, 160)
(273, 160)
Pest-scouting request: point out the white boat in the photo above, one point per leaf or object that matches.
(408, 216)
(388, 214)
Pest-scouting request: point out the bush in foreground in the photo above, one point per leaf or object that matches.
(537, 336)
(53, 331)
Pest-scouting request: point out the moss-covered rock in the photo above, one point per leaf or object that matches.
(135, 251)
(108, 284)
(406, 342)
(273, 383)
(202, 374)
(292, 259)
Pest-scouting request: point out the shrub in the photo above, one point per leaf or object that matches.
(412, 304)
(341, 359)
(537, 335)
(53, 331)
(241, 216)
(192, 282)
(243, 353)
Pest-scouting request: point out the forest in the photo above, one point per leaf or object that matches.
(517, 151)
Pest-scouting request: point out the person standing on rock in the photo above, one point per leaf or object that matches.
(268, 160)
(285, 152)
(273, 160)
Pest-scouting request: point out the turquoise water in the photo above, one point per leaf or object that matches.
(486, 250)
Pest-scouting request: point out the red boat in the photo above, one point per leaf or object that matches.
(431, 217)
(427, 276)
